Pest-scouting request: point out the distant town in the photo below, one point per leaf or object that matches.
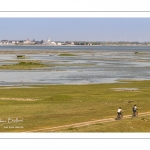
(48, 42)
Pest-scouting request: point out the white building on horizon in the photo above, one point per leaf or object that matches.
(53, 43)
(27, 41)
(49, 40)
(59, 43)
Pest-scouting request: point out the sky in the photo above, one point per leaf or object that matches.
(76, 29)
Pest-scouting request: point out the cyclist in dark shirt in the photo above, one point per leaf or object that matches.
(135, 113)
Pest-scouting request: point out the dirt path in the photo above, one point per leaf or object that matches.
(75, 125)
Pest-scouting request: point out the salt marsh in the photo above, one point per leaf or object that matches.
(83, 67)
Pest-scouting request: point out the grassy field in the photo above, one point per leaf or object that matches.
(46, 106)
(140, 124)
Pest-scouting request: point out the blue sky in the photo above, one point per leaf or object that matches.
(88, 29)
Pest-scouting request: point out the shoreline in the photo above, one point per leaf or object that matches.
(77, 45)
(23, 85)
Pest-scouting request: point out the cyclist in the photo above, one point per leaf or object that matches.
(135, 113)
(119, 111)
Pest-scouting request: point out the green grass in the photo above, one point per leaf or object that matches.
(140, 124)
(67, 54)
(23, 65)
(46, 106)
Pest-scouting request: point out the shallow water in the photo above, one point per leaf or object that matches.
(89, 48)
(87, 67)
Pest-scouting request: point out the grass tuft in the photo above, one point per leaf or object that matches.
(67, 54)
(23, 65)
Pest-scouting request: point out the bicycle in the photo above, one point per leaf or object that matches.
(135, 114)
(119, 117)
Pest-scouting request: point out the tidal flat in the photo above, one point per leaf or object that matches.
(72, 66)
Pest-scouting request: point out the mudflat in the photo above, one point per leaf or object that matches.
(72, 66)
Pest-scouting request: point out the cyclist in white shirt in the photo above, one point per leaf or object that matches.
(135, 110)
(119, 111)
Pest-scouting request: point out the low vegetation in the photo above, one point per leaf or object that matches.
(140, 124)
(23, 65)
(67, 54)
(46, 106)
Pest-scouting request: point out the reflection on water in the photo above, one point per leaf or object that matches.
(85, 68)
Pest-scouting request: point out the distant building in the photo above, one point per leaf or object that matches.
(53, 43)
(21, 42)
(33, 42)
(49, 41)
(39, 42)
(13, 42)
(90, 44)
(59, 43)
(27, 41)
(4, 42)
(69, 43)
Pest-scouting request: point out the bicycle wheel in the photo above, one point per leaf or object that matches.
(121, 117)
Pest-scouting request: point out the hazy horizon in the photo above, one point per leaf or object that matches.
(76, 29)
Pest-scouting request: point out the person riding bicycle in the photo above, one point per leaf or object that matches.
(119, 111)
(135, 110)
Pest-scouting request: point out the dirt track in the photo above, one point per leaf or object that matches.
(75, 125)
